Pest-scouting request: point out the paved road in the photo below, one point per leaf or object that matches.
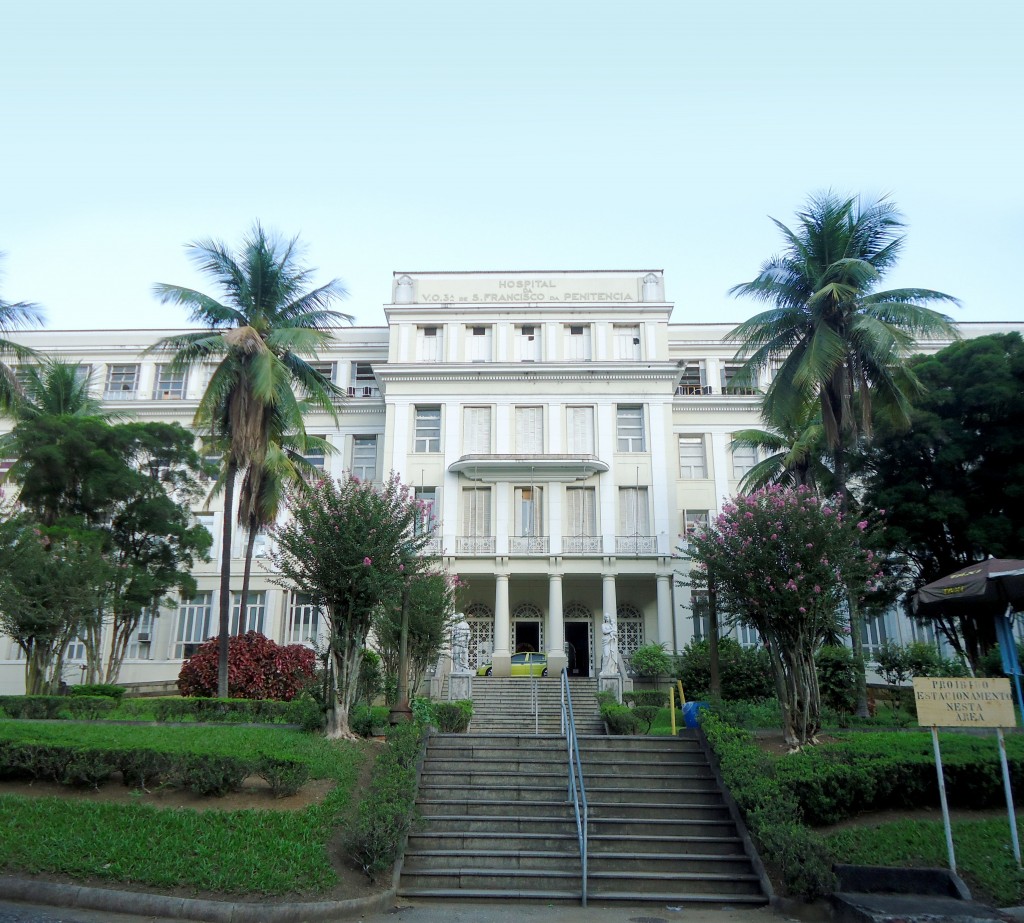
(444, 913)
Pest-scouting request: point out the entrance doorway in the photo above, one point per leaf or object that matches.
(525, 636)
(577, 647)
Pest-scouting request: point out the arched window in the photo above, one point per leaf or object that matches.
(480, 618)
(630, 627)
(527, 628)
(577, 612)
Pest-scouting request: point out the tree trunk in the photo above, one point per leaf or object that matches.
(401, 712)
(859, 668)
(716, 678)
(347, 655)
(225, 581)
(243, 608)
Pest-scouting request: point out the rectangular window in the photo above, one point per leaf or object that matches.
(694, 379)
(634, 515)
(747, 636)
(122, 383)
(303, 620)
(527, 343)
(430, 344)
(324, 368)
(428, 430)
(579, 427)
(476, 511)
(582, 511)
(528, 511)
(254, 613)
(701, 614)
(577, 343)
(476, 430)
(193, 625)
(529, 430)
(364, 382)
(207, 521)
(315, 454)
(874, 635)
(693, 461)
(426, 500)
(478, 344)
(694, 521)
(744, 385)
(364, 457)
(630, 429)
(743, 459)
(627, 342)
(170, 384)
(140, 645)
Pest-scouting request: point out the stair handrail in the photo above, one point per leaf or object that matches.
(577, 789)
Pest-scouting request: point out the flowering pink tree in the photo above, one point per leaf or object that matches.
(781, 560)
(350, 545)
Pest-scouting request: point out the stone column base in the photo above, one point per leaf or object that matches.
(557, 661)
(501, 664)
(611, 682)
(460, 685)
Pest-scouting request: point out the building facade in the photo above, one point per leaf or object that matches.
(564, 434)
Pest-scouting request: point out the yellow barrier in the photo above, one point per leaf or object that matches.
(672, 702)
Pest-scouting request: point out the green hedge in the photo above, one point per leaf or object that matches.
(386, 810)
(105, 689)
(363, 719)
(453, 717)
(203, 773)
(772, 811)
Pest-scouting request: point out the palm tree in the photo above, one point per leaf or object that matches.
(836, 339)
(14, 315)
(793, 453)
(269, 319)
(834, 335)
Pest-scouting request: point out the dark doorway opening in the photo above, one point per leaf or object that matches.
(577, 647)
(527, 637)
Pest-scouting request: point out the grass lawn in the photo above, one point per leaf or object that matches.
(237, 851)
(984, 856)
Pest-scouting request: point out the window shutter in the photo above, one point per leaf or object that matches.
(581, 430)
(477, 425)
(529, 430)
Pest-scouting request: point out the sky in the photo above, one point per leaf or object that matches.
(411, 136)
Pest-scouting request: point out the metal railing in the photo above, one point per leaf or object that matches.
(577, 790)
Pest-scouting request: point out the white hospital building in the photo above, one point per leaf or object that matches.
(566, 433)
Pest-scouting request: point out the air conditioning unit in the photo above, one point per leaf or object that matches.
(143, 637)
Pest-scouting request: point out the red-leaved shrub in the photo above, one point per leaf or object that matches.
(257, 669)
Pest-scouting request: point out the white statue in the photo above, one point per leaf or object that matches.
(460, 647)
(609, 646)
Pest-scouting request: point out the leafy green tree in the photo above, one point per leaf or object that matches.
(781, 561)
(14, 315)
(834, 336)
(745, 672)
(952, 485)
(348, 545)
(267, 321)
(430, 595)
(792, 453)
(52, 580)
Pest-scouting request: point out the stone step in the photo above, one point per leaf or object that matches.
(510, 881)
(647, 865)
(610, 825)
(665, 845)
(489, 840)
(482, 807)
(510, 826)
(501, 859)
(640, 883)
(514, 793)
(710, 795)
(641, 810)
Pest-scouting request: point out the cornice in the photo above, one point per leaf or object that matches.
(525, 372)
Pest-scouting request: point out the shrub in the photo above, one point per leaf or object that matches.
(362, 719)
(652, 698)
(207, 774)
(91, 707)
(257, 669)
(265, 711)
(371, 677)
(90, 767)
(453, 717)
(34, 707)
(142, 769)
(620, 719)
(750, 715)
(104, 689)
(285, 777)
(744, 672)
(385, 813)
(837, 678)
(651, 661)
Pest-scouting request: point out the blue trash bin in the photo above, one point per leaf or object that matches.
(690, 712)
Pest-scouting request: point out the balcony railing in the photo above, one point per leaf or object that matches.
(636, 544)
(363, 391)
(432, 545)
(528, 544)
(474, 544)
(693, 389)
(582, 544)
(120, 394)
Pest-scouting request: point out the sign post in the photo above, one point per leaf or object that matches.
(962, 703)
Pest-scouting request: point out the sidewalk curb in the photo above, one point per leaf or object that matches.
(54, 894)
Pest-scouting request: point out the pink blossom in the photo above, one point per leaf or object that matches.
(401, 568)
(862, 525)
(817, 589)
(367, 562)
(774, 536)
(802, 610)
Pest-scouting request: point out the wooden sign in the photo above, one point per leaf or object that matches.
(977, 703)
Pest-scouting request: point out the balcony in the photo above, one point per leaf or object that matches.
(528, 544)
(120, 394)
(474, 544)
(636, 544)
(363, 391)
(432, 545)
(582, 544)
(539, 468)
(687, 389)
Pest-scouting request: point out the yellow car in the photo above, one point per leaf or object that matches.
(526, 664)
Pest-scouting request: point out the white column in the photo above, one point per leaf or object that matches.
(557, 660)
(501, 659)
(665, 635)
(609, 606)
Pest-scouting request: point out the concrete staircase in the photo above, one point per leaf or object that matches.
(505, 705)
(495, 823)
